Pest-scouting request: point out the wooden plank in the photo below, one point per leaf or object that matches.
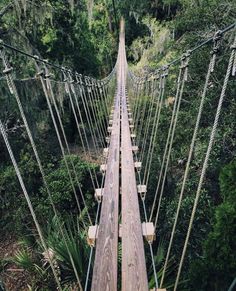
(105, 264)
(134, 273)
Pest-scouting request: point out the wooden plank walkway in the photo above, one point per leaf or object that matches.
(105, 265)
(134, 274)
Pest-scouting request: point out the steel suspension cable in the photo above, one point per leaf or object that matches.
(146, 220)
(99, 104)
(46, 94)
(143, 86)
(50, 91)
(88, 120)
(91, 251)
(133, 86)
(109, 93)
(141, 121)
(155, 128)
(168, 137)
(95, 119)
(91, 111)
(171, 133)
(150, 113)
(194, 137)
(207, 156)
(139, 105)
(87, 112)
(102, 100)
(68, 91)
(13, 90)
(135, 95)
(71, 86)
(136, 100)
(145, 124)
(93, 97)
(17, 170)
(96, 222)
(104, 96)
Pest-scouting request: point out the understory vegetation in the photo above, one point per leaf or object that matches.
(83, 35)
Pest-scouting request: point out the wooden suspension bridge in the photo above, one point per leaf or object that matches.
(122, 190)
(120, 157)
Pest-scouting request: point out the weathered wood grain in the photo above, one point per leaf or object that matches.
(105, 264)
(134, 274)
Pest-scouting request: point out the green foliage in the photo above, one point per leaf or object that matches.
(14, 207)
(49, 37)
(151, 48)
(30, 261)
(23, 258)
(228, 182)
(61, 31)
(83, 35)
(216, 269)
(61, 188)
(158, 260)
(73, 242)
(186, 36)
(34, 260)
(105, 44)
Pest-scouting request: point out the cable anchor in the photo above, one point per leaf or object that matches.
(185, 63)
(71, 82)
(65, 80)
(7, 71)
(216, 47)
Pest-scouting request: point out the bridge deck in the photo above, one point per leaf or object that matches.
(105, 265)
(134, 274)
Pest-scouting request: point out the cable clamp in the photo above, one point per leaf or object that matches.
(157, 72)
(165, 70)
(36, 57)
(218, 35)
(65, 79)
(40, 73)
(71, 80)
(77, 78)
(7, 70)
(81, 80)
(47, 75)
(86, 81)
(185, 63)
(233, 46)
(217, 39)
(185, 59)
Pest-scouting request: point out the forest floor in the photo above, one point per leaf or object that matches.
(13, 278)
